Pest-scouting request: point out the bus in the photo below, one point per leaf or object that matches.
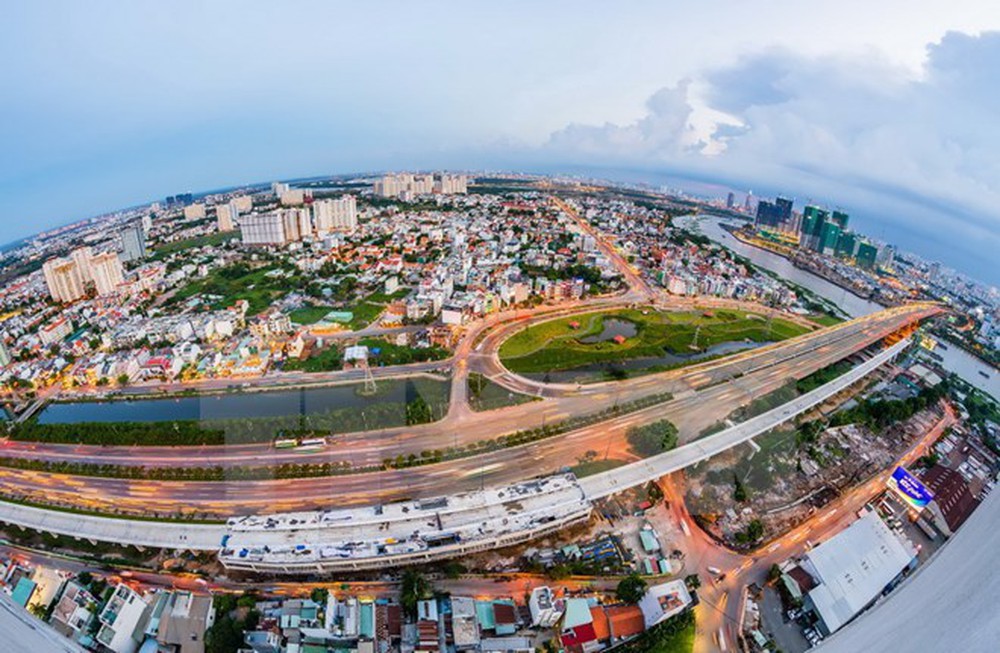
(312, 444)
(286, 443)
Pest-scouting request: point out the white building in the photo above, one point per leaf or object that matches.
(406, 185)
(62, 276)
(294, 196)
(81, 256)
(133, 239)
(225, 216)
(546, 610)
(243, 203)
(660, 602)
(194, 212)
(106, 271)
(340, 214)
(452, 185)
(123, 620)
(274, 228)
(852, 568)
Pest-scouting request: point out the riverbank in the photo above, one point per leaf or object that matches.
(789, 255)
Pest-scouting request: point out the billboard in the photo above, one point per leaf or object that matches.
(910, 488)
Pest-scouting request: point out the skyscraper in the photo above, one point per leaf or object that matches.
(730, 201)
(828, 239)
(133, 243)
(81, 256)
(867, 254)
(340, 214)
(63, 279)
(106, 270)
(847, 245)
(776, 215)
(263, 229)
(225, 215)
(841, 219)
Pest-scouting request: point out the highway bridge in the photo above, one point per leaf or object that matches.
(201, 537)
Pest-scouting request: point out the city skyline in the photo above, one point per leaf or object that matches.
(909, 160)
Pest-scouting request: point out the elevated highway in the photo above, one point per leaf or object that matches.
(792, 358)
(193, 536)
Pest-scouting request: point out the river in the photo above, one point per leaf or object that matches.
(273, 403)
(848, 302)
(954, 359)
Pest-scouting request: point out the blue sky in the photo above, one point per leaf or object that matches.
(885, 110)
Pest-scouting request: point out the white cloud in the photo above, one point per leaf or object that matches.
(916, 155)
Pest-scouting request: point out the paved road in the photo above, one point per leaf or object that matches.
(279, 496)
(693, 411)
(721, 602)
(792, 358)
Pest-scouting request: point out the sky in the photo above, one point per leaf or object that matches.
(889, 109)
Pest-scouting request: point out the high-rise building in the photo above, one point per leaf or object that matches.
(243, 203)
(730, 201)
(294, 196)
(452, 185)
(5, 357)
(867, 254)
(106, 271)
(298, 224)
(63, 279)
(133, 243)
(814, 221)
(225, 215)
(278, 188)
(263, 229)
(340, 214)
(828, 239)
(841, 219)
(776, 215)
(847, 245)
(406, 185)
(81, 256)
(194, 212)
(886, 256)
(147, 223)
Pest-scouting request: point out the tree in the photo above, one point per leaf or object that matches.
(654, 438)
(693, 581)
(774, 573)
(320, 595)
(631, 589)
(415, 588)
(417, 411)
(122, 379)
(739, 490)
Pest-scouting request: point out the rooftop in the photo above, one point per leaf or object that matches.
(404, 527)
(853, 567)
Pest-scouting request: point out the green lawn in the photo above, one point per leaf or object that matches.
(487, 395)
(392, 354)
(675, 635)
(554, 345)
(825, 319)
(327, 359)
(228, 284)
(365, 313)
(591, 467)
(309, 314)
(214, 239)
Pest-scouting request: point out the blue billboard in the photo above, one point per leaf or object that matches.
(910, 488)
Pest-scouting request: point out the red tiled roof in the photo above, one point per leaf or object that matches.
(602, 629)
(625, 620)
